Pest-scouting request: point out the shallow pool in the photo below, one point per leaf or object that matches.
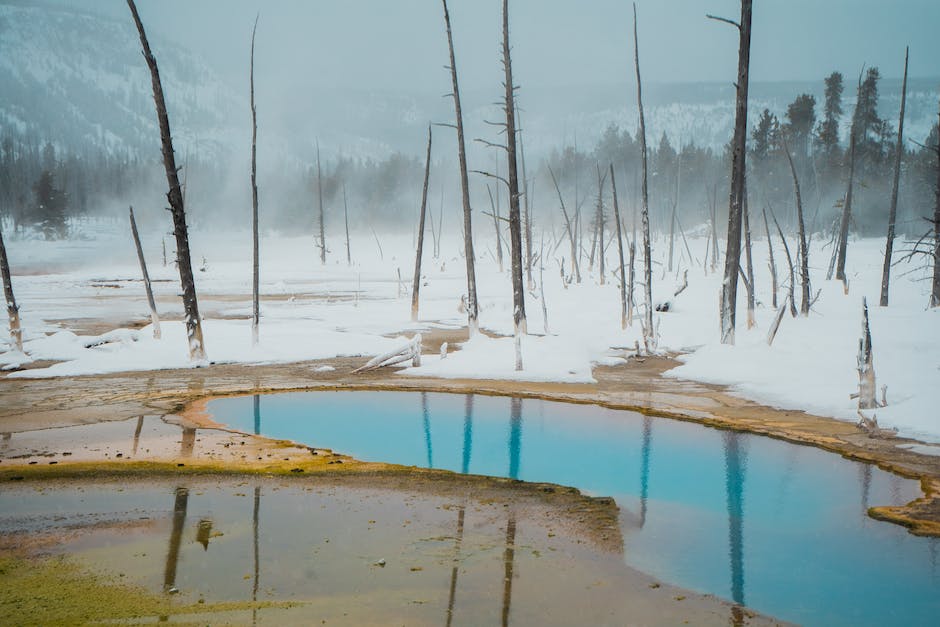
(777, 527)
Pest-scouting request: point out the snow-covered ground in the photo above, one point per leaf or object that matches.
(314, 311)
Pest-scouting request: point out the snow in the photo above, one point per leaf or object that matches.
(313, 311)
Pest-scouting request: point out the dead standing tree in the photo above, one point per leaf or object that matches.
(154, 318)
(197, 350)
(729, 286)
(569, 229)
(893, 211)
(935, 290)
(648, 338)
(255, 300)
(13, 312)
(320, 203)
(843, 242)
(804, 248)
(515, 220)
(472, 307)
(623, 278)
(416, 286)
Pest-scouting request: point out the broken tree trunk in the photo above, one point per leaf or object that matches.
(515, 218)
(13, 312)
(154, 318)
(804, 247)
(410, 351)
(197, 350)
(255, 301)
(729, 286)
(472, 307)
(648, 337)
(866, 371)
(772, 333)
(623, 276)
(416, 285)
(893, 211)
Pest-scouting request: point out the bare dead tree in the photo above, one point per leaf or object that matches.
(13, 312)
(729, 286)
(786, 250)
(935, 289)
(496, 218)
(416, 285)
(600, 221)
(804, 246)
(346, 219)
(847, 203)
(255, 300)
(576, 268)
(472, 307)
(771, 262)
(320, 204)
(749, 286)
(623, 276)
(515, 222)
(893, 211)
(648, 332)
(154, 317)
(526, 210)
(197, 350)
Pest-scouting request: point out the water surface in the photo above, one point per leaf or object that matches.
(777, 527)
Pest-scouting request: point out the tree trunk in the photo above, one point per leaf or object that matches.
(526, 213)
(893, 211)
(320, 203)
(416, 286)
(804, 247)
(197, 350)
(496, 217)
(847, 205)
(623, 276)
(648, 337)
(13, 312)
(472, 308)
(729, 286)
(866, 370)
(773, 264)
(346, 219)
(576, 268)
(255, 300)
(600, 223)
(751, 322)
(154, 318)
(515, 218)
(935, 290)
(786, 250)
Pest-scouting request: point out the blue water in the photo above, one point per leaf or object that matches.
(777, 527)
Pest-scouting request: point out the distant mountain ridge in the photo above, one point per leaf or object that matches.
(79, 80)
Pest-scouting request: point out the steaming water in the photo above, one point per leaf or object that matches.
(777, 527)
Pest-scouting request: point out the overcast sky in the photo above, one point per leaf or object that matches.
(401, 43)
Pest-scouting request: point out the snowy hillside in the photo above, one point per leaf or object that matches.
(79, 80)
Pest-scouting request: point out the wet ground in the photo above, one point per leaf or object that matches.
(363, 550)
